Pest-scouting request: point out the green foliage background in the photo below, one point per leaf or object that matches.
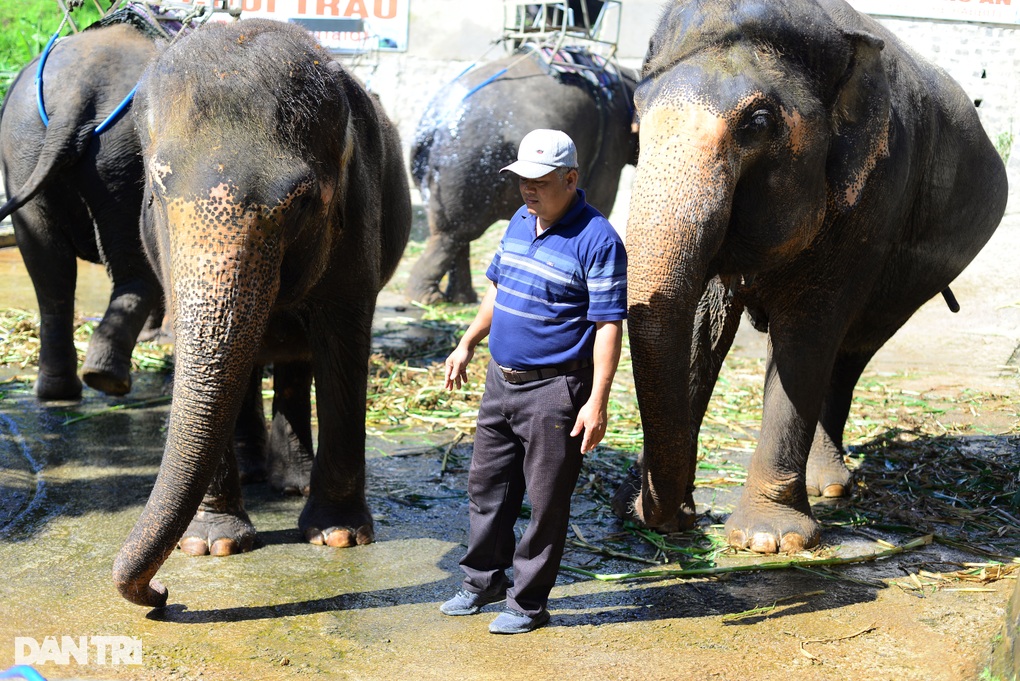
(26, 26)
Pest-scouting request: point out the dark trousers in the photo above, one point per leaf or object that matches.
(523, 443)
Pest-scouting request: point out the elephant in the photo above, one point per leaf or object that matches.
(472, 128)
(276, 207)
(75, 191)
(799, 162)
(93, 156)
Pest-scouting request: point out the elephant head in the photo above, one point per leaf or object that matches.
(245, 160)
(759, 123)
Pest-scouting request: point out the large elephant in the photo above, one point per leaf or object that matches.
(799, 161)
(276, 207)
(472, 128)
(75, 191)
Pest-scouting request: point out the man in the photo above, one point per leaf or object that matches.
(554, 314)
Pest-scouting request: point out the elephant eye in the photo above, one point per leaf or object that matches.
(761, 120)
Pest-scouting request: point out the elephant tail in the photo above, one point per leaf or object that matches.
(64, 144)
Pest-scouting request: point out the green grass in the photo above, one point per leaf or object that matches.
(26, 26)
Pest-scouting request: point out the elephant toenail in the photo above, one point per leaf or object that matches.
(340, 539)
(194, 546)
(834, 490)
(738, 539)
(792, 543)
(224, 547)
(763, 542)
(314, 536)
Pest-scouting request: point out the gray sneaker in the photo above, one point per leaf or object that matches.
(511, 621)
(468, 602)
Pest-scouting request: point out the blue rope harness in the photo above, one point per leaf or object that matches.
(484, 82)
(102, 127)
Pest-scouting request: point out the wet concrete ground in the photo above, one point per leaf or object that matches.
(70, 492)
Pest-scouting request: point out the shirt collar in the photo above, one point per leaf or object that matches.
(570, 216)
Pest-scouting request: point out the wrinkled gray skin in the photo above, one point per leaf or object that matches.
(799, 161)
(73, 194)
(276, 208)
(464, 139)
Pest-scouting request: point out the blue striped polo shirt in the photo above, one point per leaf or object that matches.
(552, 288)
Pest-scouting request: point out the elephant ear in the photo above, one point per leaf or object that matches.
(860, 118)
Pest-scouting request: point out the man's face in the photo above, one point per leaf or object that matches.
(549, 196)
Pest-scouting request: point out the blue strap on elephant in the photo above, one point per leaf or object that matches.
(38, 78)
(485, 82)
(110, 120)
(22, 671)
(164, 23)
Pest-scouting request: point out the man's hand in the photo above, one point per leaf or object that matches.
(456, 363)
(592, 420)
(592, 417)
(456, 366)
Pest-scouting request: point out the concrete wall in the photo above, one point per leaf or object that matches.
(985, 60)
(447, 36)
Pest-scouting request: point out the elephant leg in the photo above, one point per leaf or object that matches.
(458, 285)
(250, 437)
(53, 268)
(715, 325)
(157, 327)
(773, 514)
(337, 512)
(221, 527)
(136, 292)
(290, 442)
(431, 267)
(827, 474)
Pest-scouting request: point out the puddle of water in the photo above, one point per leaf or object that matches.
(91, 294)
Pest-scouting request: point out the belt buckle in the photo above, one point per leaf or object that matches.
(510, 375)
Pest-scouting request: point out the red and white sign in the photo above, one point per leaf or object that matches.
(980, 11)
(341, 25)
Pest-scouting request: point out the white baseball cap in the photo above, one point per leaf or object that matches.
(542, 151)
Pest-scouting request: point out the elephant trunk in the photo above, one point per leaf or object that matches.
(677, 222)
(220, 300)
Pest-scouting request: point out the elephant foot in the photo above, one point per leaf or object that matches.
(158, 336)
(216, 533)
(107, 370)
(466, 297)
(426, 296)
(111, 383)
(765, 526)
(290, 478)
(57, 387)
(827, 475)
(627, 505)
(336, 526)
(157, 330)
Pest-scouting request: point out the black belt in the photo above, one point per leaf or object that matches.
(517, 377)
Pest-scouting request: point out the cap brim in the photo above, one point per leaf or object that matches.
(528, 169)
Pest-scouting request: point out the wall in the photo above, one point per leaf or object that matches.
(985, 60)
